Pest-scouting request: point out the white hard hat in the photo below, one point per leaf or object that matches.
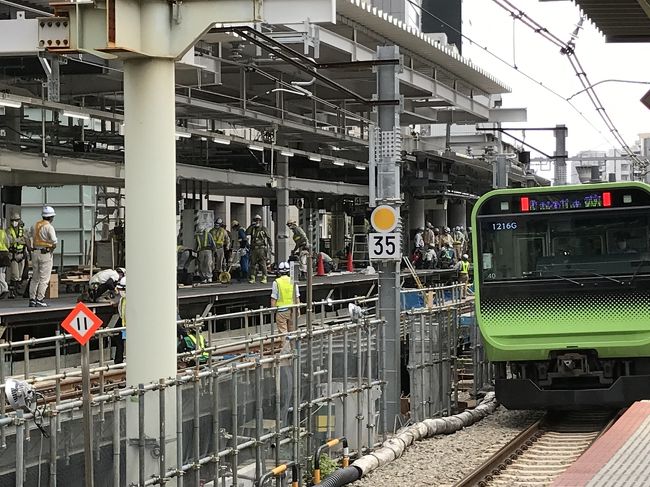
(48, 211)
(465, 256)
(257, 217)
(219, 221)
(283, 268)
(122, 270)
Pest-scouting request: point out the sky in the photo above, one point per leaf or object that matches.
(490, 26)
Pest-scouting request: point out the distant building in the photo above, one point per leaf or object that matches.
(612, 166)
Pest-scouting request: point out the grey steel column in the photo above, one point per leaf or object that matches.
(559, 173)
(282, 193)
(387, 159)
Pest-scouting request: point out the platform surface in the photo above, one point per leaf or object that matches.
(620, 457)
(216, 291)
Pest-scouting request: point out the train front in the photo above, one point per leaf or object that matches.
(562, 279)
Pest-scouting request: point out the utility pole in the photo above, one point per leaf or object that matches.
(559, 172)
(385, 190)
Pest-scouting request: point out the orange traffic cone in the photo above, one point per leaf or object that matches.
(320, 267)
(350, 263)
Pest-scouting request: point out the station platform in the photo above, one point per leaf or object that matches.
(619, 457)
(17, 319)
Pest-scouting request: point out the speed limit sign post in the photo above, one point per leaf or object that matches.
(384, 244)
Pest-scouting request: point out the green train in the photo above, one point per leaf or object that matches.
(562, 279)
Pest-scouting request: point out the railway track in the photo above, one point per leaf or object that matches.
(539, 454)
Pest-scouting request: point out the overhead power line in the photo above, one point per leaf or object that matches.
(514, 67)
(568, 49)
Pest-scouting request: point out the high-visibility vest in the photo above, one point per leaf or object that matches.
(201, 346)
(39, 243)
(206, 238)
(122, 310)
(3, 240)
(285, 292)
(464, 267)
(219, 236)
(16, 234)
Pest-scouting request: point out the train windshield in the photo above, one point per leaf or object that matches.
(564, 245)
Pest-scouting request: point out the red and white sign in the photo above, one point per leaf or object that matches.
(81, 323)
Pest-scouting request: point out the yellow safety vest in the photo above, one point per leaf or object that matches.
(16, 234)
(464, 267)
(122, 310)
(201, 345)
(285, 292)
(219, 236)
(3, 241)
(206, 239)
(39, 243)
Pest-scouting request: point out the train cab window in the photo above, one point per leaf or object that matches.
(564, 245)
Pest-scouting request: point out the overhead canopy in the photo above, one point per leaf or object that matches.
(619, 20)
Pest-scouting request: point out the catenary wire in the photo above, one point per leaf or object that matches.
(568, 49)
(514, 67)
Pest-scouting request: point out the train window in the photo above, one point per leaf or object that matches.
(566, 244)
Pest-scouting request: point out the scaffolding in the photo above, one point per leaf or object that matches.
(246, 410)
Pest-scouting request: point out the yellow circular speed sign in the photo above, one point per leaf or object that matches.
(384, 219)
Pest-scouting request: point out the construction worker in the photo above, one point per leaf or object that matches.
(118, 338)
(463, 274)
(244, 249)
(190, 341)
(284, 293)
(221, 242)
(301, 249)
(205, 247)
(4, 262)
(446, 240)
(261, 245)
(436, 239)
(459, 240)
(299, 238)
(17, 253)
(429, 237)
(105, 281)
(43, 242)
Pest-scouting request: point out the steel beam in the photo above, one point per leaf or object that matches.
(388, 192)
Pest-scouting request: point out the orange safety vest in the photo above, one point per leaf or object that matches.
(39, 243)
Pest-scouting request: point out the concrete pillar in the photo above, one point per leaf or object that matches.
(150, 159)
(338, 228)
(416, 213)
(437, 212)
(457, 213)
(284, 241)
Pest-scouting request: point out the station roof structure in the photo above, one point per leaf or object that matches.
(619, 20)
(244, 97)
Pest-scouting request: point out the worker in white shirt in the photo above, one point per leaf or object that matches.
(105, 281)
(43, 242)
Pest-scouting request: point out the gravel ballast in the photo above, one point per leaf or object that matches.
(445, 459)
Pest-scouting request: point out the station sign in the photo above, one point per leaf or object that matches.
(81, 323)
(384, 245)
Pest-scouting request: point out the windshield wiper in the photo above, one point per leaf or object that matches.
(636, 271)
(567, 279)
(603, 276)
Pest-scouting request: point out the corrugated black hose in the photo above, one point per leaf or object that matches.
(341, 477)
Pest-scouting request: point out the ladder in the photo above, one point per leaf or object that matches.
(360, 250)
(108, 228)
(109, 209)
